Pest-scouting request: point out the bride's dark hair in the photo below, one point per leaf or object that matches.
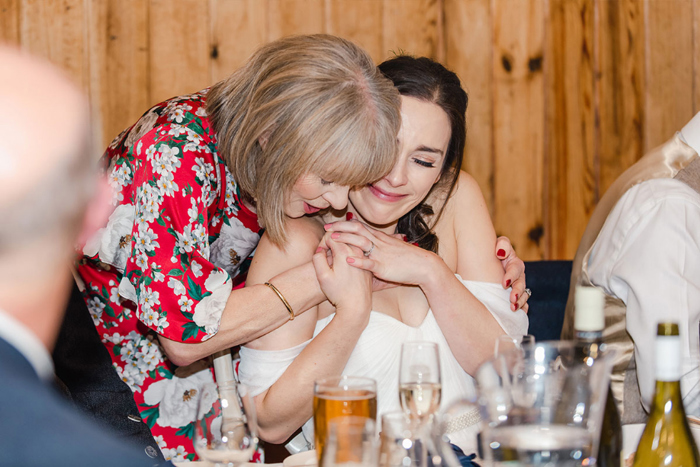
(427, 80)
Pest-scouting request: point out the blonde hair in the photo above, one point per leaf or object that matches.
(320, 105)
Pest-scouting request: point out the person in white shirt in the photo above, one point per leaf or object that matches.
(48, 201)
(642, 248)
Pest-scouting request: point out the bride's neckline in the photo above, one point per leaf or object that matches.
(388, 317)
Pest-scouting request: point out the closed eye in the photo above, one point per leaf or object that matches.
(424, 163)
(326, 182)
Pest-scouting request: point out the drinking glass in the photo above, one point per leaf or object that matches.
(351, 441)
(341, 397)
(543, 406)
(420, 386)
(505, 343)
(403, 441)
(225, 431)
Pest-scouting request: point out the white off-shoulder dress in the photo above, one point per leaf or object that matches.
(378, 352)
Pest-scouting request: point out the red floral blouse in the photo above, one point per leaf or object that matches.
(176, 244)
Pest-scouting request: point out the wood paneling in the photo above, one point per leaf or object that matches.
(620, 87)
(119, 71)
(9, 21)
(57, 30)
(669, 67)
(564, 95)
(179, 47)
(570, 172)
(468, 53)
(696, 56)
(357, 20)
(238, 28)
(288, 17)
(518, 123)
(412, 27)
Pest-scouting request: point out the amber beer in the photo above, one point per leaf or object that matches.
(341, 397)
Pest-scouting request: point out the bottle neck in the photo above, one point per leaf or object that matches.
(668, 397)
(588, 337)
(668, 358)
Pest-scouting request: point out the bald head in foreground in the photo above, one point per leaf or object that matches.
(47, 205)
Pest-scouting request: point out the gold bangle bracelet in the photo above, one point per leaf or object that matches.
(284, 300)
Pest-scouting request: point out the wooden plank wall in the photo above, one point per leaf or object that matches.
(564, 94)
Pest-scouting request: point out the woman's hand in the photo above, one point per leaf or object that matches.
(388, 257)
(514, 274)
(346, 287)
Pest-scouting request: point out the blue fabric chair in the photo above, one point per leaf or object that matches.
(549, 282)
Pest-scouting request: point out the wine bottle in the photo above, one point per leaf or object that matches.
(667, 440)
(589, 322)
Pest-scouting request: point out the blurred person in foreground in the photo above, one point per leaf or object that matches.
(642, 248)
(47, 204)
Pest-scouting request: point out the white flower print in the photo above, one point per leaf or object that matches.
(185, 303)
(167, 185)
(146, 239)
(178, 398)
(200, 235)
(177, 114)
(177, 286)
(114, 338)
(174, 455)
(207, 313)
(234, 244)
(196, 269)
(201, 112)
(142, 261)
(148, 297)
(176, 130)
(185, 240)
(159, 441)
(114, 295)
(150, 152)
(150, 318)
(203, 170)
(113, 242)
(193, 211)
(95, 307)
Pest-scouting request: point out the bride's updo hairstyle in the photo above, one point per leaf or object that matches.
(429, 81)
(304, 104)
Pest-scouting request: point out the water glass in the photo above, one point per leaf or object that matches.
(403, 441)
(225, 431)
(543, 406)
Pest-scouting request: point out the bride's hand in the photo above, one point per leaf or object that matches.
(388, 257)
(514, 274)
(349, 289)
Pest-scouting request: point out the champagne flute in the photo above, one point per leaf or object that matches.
(420, 388)
(225, 431)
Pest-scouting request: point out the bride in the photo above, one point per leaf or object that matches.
(425, 233)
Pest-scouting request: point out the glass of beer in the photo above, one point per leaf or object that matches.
(345, 396)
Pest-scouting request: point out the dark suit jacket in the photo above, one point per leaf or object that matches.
(39, 427)
(85, 372)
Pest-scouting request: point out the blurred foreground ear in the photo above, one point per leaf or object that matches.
(97, 211)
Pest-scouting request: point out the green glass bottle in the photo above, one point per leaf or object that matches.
(667, 440)
(589, 322)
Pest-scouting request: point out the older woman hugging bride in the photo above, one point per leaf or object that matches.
(423, 231)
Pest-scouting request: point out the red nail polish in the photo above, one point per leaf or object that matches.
(348, 216)
(501, 253)
(319, 249)
(508, 283)
(516, 297)
(351, 260)
(405, 238)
